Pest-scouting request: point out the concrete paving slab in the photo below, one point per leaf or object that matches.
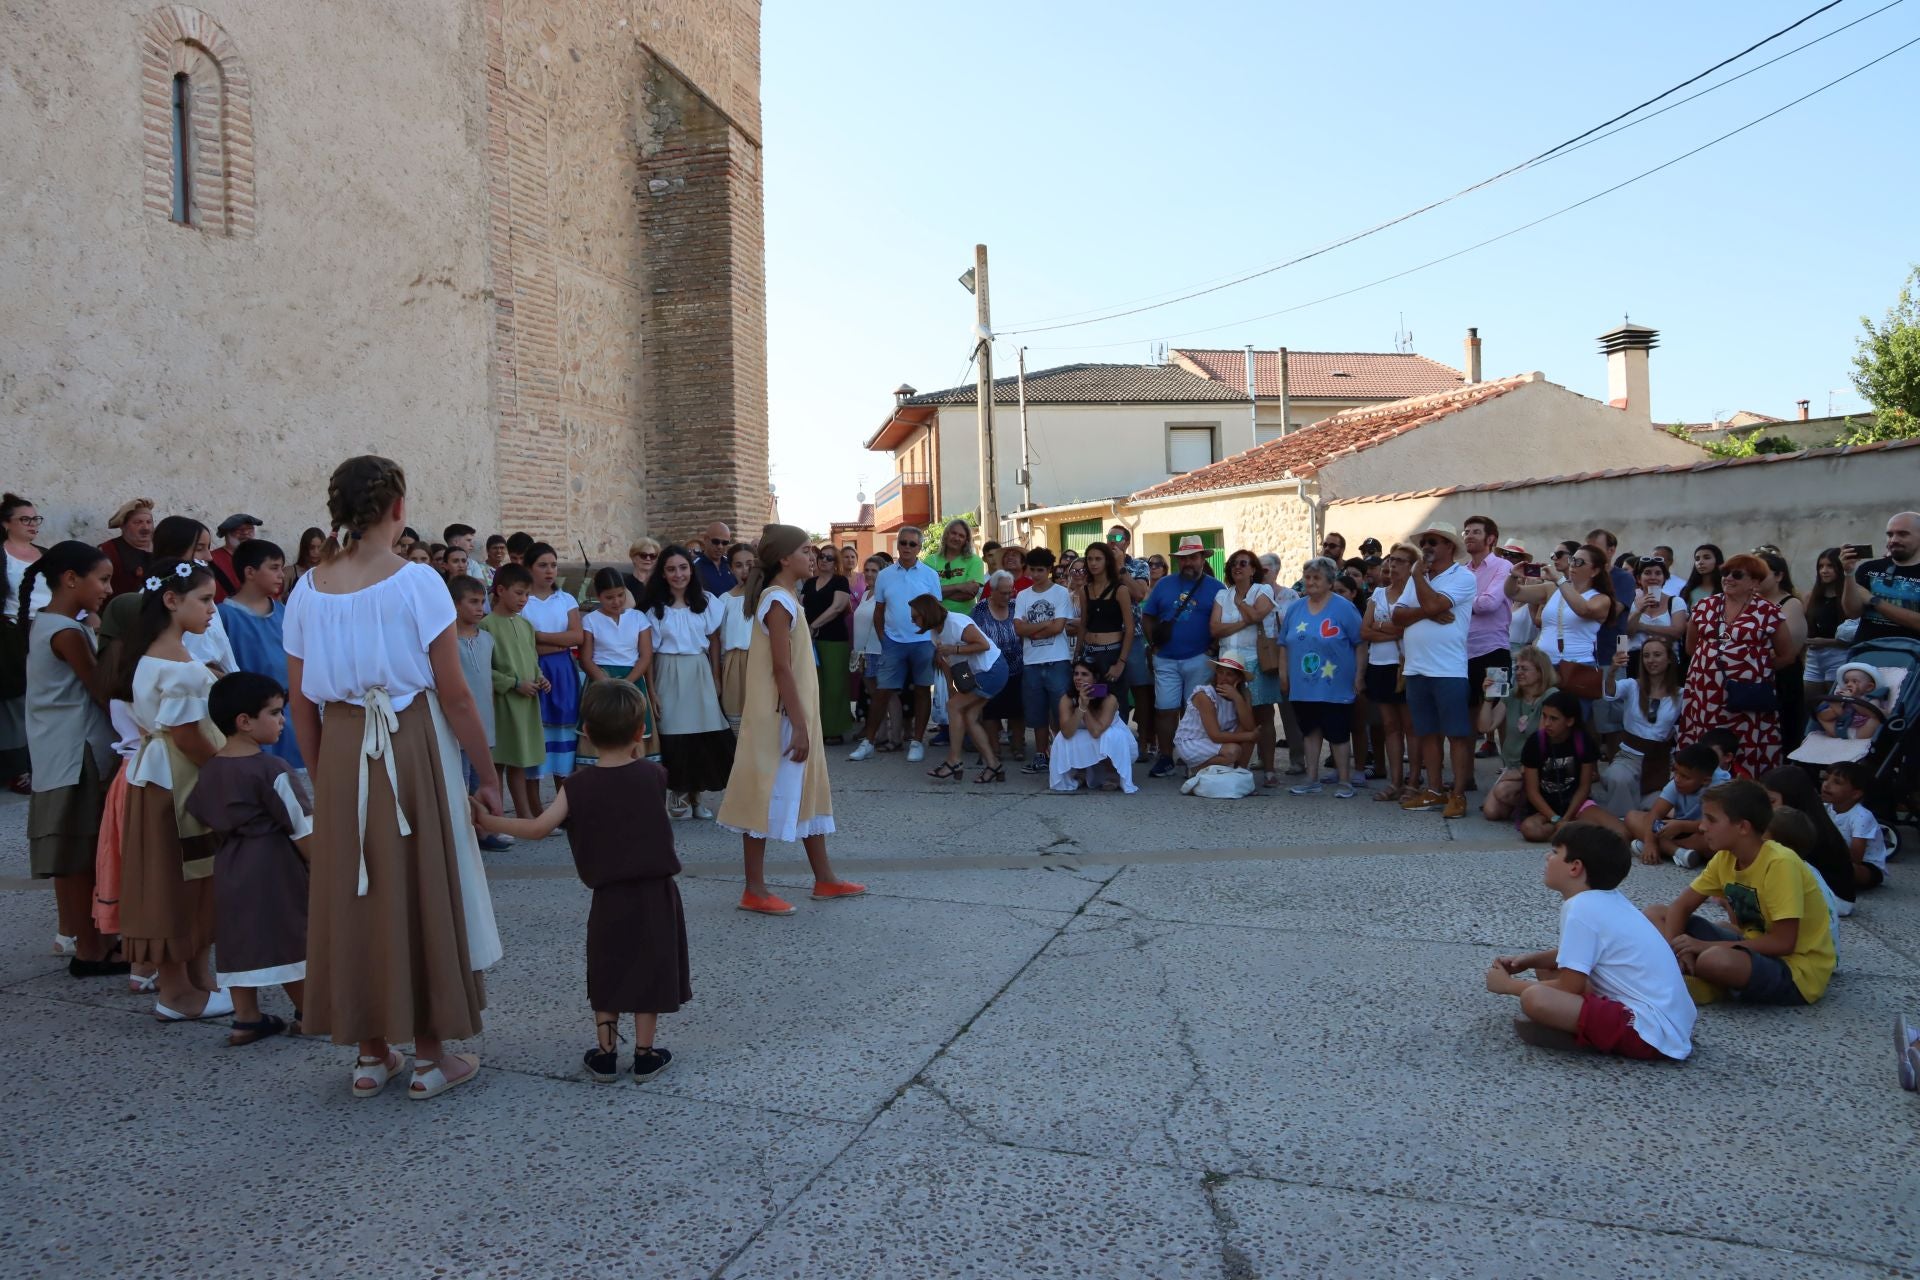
(1382, 1066)
(265, 1165)
(1275, 1229)
(822, 1013)
(893, 1206)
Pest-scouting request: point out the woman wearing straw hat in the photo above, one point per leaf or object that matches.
(1217, 726)
(1434, 613)
(779, 789)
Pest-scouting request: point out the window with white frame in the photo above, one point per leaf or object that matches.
(1192, 445)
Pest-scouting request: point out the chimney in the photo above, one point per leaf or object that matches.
(1626, 350)
(901, 393)
(1803, 409)
(1473, 356)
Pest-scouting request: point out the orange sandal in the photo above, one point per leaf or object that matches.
(838, 889)
(765, 904)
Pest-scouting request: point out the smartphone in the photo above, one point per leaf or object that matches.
(1529, 570)
(1862, 550)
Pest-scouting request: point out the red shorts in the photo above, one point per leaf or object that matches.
(1607, 1025)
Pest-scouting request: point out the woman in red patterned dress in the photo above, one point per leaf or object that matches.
(1736, 635)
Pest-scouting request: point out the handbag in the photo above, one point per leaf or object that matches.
(1269, 653)
(1577, 678)
(962, 675)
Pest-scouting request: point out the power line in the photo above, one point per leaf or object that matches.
(1512, 231)
(1065, 322)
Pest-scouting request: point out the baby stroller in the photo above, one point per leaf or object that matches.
(1890, 750)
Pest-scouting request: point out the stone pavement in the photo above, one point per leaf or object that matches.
(1079, 1035)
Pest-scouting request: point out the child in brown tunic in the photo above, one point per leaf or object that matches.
(616, 819)
(255, 805)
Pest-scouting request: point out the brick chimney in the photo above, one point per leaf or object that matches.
(1626, 350)
(1473, 356)
(1803, 409)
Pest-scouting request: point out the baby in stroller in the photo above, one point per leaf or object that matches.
(1858, 705)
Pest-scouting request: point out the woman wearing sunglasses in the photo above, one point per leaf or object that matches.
(1738, 639)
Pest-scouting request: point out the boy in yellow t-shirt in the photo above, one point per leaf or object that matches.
(1783, 953)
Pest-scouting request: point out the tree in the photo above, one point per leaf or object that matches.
(1886, 368)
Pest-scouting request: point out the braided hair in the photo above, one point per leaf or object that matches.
(153, 618)
(359, 494)
(78, 558)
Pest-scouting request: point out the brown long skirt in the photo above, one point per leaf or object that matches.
(392, 965)
(165, 918)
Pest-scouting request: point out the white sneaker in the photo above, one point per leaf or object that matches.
(861, 752)
(916, 751)
(1686, 859)
(1639, 847)
(64, 945)
(703, 813)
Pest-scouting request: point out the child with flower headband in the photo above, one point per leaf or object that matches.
(166, 890)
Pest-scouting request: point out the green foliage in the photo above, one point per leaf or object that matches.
(1750, 445)
(931, 534)
(1886, 368)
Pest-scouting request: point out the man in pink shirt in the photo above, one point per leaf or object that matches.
(1492, 612)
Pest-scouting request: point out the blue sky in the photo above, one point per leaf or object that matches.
(1110, 152)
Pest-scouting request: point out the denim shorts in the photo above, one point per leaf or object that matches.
(1771, 982)
(1042, 685)
(1439, 706)
(1175, 679)
(870, 665)
(989, 682)
(1138, 676)
(902, 665)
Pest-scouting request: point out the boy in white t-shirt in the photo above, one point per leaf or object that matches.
(1843, 789)
(1613, 985)
(1042, 618)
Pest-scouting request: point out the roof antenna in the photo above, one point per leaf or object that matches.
(1402, 339)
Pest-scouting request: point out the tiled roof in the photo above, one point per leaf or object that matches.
(1711, 464)
(1307, 450)
(1326, 375)
(1097, 384)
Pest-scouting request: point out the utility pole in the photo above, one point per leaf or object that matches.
(983, 333)
(1286, 407)
(1253, 403)
(1026, 458)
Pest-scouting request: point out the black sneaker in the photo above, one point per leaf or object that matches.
(648, 1063)
(602, 1064)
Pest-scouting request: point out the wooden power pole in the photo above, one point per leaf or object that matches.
(989, 512)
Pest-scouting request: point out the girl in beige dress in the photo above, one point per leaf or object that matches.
(778, 788)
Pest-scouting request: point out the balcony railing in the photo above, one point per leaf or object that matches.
(906, 499)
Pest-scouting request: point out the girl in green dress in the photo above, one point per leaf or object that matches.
(519, 742)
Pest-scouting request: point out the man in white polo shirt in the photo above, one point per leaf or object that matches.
(1436, 611)
(906, 650)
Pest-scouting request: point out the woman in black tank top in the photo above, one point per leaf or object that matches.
(1106, 612)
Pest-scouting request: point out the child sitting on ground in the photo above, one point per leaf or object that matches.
(1792, 829)
(1782, 951)
(1557, 768)
(1670, 830)
(1842, 790)
(1613, 984)
(252, 802)
(1856, 709)
(616, 819)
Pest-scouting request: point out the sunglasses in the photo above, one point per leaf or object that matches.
(1735, 575)
(909, 546)
(1432, 542)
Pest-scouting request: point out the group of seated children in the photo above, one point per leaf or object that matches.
(1626, 981)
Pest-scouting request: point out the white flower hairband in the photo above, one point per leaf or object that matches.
(181, 570)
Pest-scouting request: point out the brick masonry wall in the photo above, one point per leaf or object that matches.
(628, 350)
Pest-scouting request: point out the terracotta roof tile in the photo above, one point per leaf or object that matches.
(1096, 384)
(1710, 464)
(1305, 451)
(1325, 375)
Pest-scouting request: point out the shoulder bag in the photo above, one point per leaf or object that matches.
(1746, 697)
(1161, 632)
(1577, 678)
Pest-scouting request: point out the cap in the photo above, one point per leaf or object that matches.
(1371, 547)
(127, 508)
(239, 520)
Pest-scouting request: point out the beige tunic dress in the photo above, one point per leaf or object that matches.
(770, 796)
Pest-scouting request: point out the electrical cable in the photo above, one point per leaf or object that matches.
(1512, 231)
(1573, 143)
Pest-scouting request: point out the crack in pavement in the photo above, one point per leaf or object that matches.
(1234, 1262)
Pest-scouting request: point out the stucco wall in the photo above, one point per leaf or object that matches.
(1538, 429)
(1799, 504)
(220, 374)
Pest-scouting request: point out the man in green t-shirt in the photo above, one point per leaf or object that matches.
(962, 573)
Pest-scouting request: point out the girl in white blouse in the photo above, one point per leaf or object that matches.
(166, 876)
(696, 743)
(616, 643)
(400, 921)
(555, 619)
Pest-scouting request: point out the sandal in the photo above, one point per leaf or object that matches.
(945, 770)
(995, 773)
(1391, 793)
(370, 1075)
(433, 1082)
(245, 1033)
(1272, 779)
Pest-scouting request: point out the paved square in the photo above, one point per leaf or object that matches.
(1063, 1035)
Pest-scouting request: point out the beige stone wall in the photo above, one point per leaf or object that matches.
(1799, 504)
(218, 373)
(514, 244)
(1538, 429)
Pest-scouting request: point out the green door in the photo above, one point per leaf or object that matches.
(1216, 555)
(1079, 535)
